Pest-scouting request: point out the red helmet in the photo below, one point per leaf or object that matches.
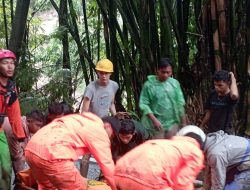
(4, 53)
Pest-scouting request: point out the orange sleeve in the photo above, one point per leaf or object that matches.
(189, 171)
(99, 146)
(14, 115)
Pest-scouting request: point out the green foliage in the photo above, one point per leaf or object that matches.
(41, 5)
(58, 85)
(59, 32)
(30, 101)
(26, 76)
(2, 24)
(132, 33)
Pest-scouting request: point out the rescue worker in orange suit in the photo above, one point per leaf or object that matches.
(51, 152)
(9, 106)
(163, 164)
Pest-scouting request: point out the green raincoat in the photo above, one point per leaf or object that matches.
(164, 99)
(5, 163)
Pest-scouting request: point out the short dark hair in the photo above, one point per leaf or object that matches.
(55, 108)
(113, 121)
(221, 75)
(36, 115)
(164, 62)
(127, 127)
(67, 109)
(197, 138)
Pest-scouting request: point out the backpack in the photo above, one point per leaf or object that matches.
(10, 95)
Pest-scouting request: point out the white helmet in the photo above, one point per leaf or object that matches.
(192, 129)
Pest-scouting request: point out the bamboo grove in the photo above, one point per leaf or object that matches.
(200, 36)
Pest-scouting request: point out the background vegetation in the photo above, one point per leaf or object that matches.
(200, 36)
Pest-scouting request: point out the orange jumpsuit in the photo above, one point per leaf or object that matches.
(51, 152)
(13, 112)
(160, 164)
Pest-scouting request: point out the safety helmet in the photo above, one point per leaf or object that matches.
(104, 65)
(192, 129)
(4, 53)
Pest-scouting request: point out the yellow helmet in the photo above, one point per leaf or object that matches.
(104, 65)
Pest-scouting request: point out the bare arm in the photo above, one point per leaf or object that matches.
(233, 87)
(156, 123)
(206, 119)
(85, 104)
(183, 120)
(14, 115)
(112, 107)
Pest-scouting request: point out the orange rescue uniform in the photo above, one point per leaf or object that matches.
(160, 164)
(13, 112)
(51, 152)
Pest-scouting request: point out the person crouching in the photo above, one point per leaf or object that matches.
(51, 152)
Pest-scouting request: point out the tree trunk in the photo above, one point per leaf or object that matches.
(18, 27)
(248, 66)
(63, 12)
(5, 24)
(73, 29)
(166, 42)
(87, 36)
(11, 11)
(216, 43)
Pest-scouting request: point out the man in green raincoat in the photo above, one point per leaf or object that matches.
(162, 102)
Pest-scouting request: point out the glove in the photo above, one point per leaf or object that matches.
(13, 97)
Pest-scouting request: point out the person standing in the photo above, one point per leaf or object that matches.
(99, 98)
(162, 102)
(9, 106)
(51, 152)
(221, 103)
(31, 123)
(99, 95)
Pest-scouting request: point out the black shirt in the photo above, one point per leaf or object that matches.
(221, 108)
